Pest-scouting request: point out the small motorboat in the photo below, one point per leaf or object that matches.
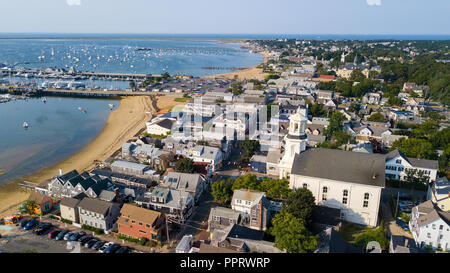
(44, 100)
(25, 125)
(111, 106)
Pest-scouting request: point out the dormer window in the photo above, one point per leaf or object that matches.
(398, 161)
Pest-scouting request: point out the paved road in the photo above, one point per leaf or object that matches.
(386, 213)
(199, 219)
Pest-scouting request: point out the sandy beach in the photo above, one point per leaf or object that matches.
(123, 124)
(246, 73)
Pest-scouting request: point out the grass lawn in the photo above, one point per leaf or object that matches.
(350, 231)
(183, 99)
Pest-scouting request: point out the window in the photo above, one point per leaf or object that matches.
(428, 235)
(325, 189)
(305, 186)
(345, 193)
(366, 196)
(140, 223)
(398, 161)
(344, 200)
(147, 225)
(134, 222)
(433, 226)
(141, 231)
(366, 204)
(324, 197)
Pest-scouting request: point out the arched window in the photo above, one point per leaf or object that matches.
(345, 193)
(366, 196)
(305, 186)
(325, 189)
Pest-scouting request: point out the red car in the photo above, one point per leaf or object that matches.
(53, 234)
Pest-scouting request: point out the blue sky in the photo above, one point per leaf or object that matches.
(227, 16)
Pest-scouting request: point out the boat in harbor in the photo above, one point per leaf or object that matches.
(44, 100)
(25, 125)
(111, 106)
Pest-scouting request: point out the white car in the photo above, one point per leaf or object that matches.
(102, 249)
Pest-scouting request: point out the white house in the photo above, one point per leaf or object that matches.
(160, 127)
(397, 164)
(430, 226)
(211, 155)
(348, 181)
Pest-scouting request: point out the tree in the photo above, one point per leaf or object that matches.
(28, 207)
(222, 191)
(185, 165)
(276, 188)
(377, 117)
(416, 148)
(291, 234)
(336, 120)
(250, 146)
(415, 178)
(354, 107)
(300, 203)
(132, 85)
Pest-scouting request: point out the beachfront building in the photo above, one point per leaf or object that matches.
(160, 127)
(73, 183)
(130, 168)
(348, 181)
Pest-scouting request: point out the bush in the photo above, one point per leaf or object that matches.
(66, 221)
(97, 231)
(377, 234)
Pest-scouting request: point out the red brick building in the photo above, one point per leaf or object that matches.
(139, 223)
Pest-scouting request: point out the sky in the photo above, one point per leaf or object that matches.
(226, 16)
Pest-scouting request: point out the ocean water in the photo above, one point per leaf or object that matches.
(189, 57)
(57, 129)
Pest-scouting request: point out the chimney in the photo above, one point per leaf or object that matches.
(374, 176)
(60, 172)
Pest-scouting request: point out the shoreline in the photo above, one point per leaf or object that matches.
(244, 74)
(122, 124)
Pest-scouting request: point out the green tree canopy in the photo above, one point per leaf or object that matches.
(416, 148)
(185, 165)
(222, 191)
(377, 117)
(291, 234)
(300, 203)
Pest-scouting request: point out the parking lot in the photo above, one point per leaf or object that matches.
(19, 240)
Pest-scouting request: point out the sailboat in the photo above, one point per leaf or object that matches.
(25, 125)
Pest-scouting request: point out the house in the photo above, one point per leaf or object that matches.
(402, 244)
(254, 208)
(439, 193)
(160, 127)
(44, 204)
(73, 183)
(220, 217)
(273, 157)
(372, 98)
(98, 214)
(397, 164)
(125, 179)
(229, 237)
(348, 181)
(345, 71)
(191, 183)
(430, 226)
(388, 139)
(258, 163)
(136, 222)
(130, 168)
(177, 205)
(211, 155)
(69, 209)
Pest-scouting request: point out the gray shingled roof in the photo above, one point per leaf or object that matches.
(359, 168)
(415, 162)
(95, 205)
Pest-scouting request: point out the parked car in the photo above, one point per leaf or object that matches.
(91, 242)
(112, 248)
(123, 250)
(98, 245)
(74, 236)
(43, 228)
(52, 234)
(84, 239)
(68, 235)
(61, 235)
(23, 223)
(105, 246)
(31, 224)
(402, 224)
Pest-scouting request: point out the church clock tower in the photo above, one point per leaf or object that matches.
(295, 141)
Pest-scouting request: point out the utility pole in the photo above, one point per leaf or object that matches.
(167, 231)
(396, 207)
